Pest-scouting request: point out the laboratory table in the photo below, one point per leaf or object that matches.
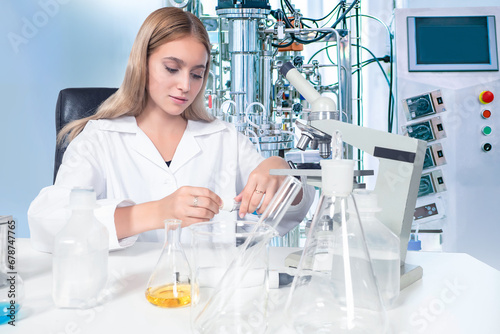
(457, 294)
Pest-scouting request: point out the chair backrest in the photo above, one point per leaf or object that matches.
(73, 104)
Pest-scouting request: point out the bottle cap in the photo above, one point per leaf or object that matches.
(82, 198)
(414, 245)
(337, 176)
(228, 204)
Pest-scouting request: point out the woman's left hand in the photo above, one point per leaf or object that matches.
(261, 186)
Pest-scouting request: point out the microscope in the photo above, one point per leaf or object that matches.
(400, 159)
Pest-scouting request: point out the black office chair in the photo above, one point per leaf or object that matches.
(73, 104)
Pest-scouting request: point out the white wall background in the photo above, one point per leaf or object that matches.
(46, 46)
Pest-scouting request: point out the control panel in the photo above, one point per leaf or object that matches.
(486, 97)
(423, 105)
(466, 161)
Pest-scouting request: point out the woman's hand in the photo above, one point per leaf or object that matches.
(261, 186)
(190, 204)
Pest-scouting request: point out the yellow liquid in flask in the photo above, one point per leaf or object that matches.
(172, 295)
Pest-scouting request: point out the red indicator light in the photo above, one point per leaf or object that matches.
(486, 113)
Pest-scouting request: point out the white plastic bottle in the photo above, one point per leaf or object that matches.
(80, 257)
(383, 247)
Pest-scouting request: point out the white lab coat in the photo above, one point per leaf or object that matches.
(120, 162)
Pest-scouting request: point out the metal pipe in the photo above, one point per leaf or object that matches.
(265, 87)
(244, 49)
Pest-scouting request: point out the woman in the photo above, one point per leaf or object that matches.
(152, 151)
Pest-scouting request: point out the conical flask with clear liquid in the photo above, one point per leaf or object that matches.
(383, 246)
(334, 290)
(169, 284)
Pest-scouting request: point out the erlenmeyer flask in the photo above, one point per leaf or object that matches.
(11, 284)
(334, 290)
(383, 246)
(169, 284)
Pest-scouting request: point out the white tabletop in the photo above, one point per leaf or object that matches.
(457, 294)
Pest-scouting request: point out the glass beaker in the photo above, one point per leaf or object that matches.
(242, 307)
(11, 284)
(169, 284)
(334, 290)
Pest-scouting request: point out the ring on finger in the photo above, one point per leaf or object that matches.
(195, 201)
(259, 191)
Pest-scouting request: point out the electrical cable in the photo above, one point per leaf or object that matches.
(374, 59)
(390, 107)
(324, 17)
(359, 119)
(326, 24)
(378, 62)
(324, 48)
(279, 14)
(342, 17)
(283, 45)
(328, 55)
(363, 64)
(309, 41)
(390, 111)
(289, 5)
(303, 41)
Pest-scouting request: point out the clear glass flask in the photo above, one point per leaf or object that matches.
(11, 284)
(169, 284)
(383, 246)
(334, 290)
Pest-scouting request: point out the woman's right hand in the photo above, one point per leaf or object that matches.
(190, 204)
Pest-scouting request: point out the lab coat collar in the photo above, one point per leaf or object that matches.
(140, 142)
(129, 124)
(188, 146)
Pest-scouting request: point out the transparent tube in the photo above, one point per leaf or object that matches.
(256, 139)
(248, 108)
(218, 306)
(226, 103)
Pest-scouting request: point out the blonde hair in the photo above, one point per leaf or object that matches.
(162, 26)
